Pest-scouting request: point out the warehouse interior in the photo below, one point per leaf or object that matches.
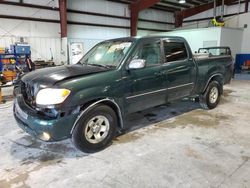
(177, 144)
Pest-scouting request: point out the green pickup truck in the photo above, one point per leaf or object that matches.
(88, 101)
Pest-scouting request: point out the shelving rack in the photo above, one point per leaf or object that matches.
(19, 58)
(19, 52)
(15, 56)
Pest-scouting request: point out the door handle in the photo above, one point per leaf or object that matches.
(159, 73)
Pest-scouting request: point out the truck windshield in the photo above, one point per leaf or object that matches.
(107, 54)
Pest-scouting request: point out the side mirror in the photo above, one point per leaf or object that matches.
(137, 64)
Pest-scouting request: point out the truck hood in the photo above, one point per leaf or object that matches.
(34, 81)
(50, 76)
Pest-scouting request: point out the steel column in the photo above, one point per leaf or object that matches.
(133, 19)
(63, 17)
(214, 9)
(135, 8)
(246, 5)
(63, 24)
(222, 9)
(178, 19)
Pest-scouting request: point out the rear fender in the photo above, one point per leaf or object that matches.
(217, 77)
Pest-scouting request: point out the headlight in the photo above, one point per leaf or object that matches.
(51, 96)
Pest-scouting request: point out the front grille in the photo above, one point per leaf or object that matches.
(28, 94)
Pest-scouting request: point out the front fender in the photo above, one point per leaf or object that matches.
(92, 105)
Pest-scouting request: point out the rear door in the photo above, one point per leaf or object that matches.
(179, 69)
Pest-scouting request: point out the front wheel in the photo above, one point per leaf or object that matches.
(95, 130)
(211, 97)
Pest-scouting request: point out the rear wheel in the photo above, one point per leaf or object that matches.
(95, 129)
(211, 97)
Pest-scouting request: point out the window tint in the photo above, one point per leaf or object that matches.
(150, 52)
(175, 51)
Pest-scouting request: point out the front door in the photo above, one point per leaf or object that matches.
(146, 84)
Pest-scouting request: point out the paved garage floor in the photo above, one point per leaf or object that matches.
(178, 145)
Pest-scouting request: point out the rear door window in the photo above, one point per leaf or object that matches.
(175, 51)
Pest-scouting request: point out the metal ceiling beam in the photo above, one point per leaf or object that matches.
(117, 1)
(167, 8)
(174, 4)
(179, 16)
(144, 4)
(80, 12)
(192, 2)
(28, 5)
(237, 2)
(156, 7)
(209, 18)
(75, 23)
(199, 1)
(136, 7)
(196, 10)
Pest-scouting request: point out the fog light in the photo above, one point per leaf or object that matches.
(45, 136)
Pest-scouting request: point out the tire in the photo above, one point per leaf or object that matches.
(211, 97)
(95, 130)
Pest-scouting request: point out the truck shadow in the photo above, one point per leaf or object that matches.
(158, 114)
(189, 113)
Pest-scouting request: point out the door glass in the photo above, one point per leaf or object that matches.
(175, 51)
(150, 52)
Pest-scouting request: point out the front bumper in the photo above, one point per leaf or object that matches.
(37, 125)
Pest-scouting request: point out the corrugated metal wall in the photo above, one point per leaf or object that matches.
(45, 36)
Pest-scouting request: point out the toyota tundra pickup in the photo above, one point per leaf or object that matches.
(88, 101)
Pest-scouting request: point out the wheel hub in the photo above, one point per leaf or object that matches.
(97, 129)
(213, 96)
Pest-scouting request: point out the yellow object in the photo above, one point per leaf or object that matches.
(12, 61)
(65, 93)
(2, 50)
(9, 75)
(216, 23)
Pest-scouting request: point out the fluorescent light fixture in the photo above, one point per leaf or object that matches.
(182, 1)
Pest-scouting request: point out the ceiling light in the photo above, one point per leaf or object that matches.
(182, 1)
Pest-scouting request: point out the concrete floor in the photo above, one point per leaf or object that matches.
(179, 145)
